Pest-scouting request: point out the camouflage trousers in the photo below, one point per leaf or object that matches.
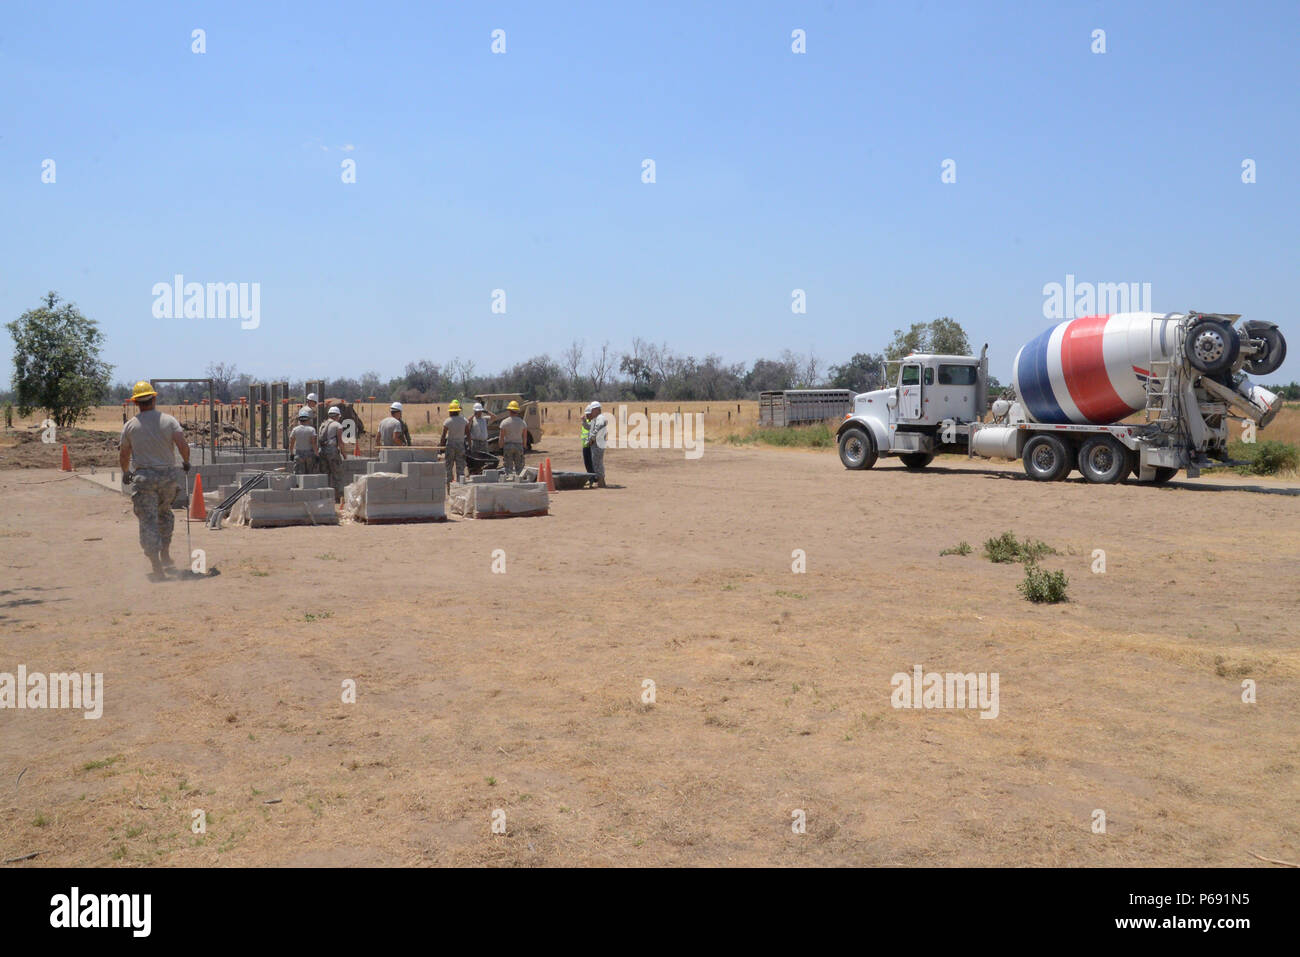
(598, 461)
(455, 459)
(513, 457)
(304, 464)
(333, 463)
(152, 494)
(479, 445)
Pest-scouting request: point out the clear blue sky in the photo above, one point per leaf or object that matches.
(522, 171)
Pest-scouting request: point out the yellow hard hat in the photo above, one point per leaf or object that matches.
(513, 406)
(455, 406)
(142, 390)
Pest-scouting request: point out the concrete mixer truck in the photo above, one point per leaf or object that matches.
(1136, 394)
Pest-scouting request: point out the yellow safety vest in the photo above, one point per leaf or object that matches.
(586, 433)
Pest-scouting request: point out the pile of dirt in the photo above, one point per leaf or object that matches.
(23, 449)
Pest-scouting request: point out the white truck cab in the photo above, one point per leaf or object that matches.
(918, 416)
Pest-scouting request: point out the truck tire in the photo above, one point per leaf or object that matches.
(1104, 460)
(1046, 459)
(1163, 475)
(1212, 346)
(1275, 354)
(857, 449)
(916, 461)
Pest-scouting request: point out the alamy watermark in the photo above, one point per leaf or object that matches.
(39, 691)
(654, 430)
(952, 690)
(1073, 300)
(179, 299)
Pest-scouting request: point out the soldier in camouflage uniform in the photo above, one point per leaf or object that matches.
(331, 450)
(455, 433)
(303, 444)
(514, 436)
(149, 443)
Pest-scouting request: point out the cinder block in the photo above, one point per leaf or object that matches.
(383, 468)
(311, 494)
(281, 482)
(398, 456)
(297, 513)
(271, 496)
(425, 474)
(381, 481)
(420, 469)
(313, 481)
(409, 510)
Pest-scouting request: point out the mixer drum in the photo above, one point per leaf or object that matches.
(1092, 371)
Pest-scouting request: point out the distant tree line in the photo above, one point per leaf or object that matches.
(644, 372)
(57, 367)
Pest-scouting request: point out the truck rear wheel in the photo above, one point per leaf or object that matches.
(1104, 460)
(857, 449)
(1046, 459)
(916, 461)
(1163, 475)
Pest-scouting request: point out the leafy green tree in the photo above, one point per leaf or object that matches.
(947, 337)
(769, 375)
(56, 362)
(863, 373)
(943, 336)
(905, 343)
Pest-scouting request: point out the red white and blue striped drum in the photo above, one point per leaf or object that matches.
(1092, 371)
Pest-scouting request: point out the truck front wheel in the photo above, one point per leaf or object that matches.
(1104, 460)
(857, 449)
(916, 461)
(1046, 459)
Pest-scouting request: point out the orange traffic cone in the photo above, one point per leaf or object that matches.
(198, 510)
(550, 479)
(67, 462)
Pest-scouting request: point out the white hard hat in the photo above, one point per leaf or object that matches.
(311, 397)
(395, 407)
(478, 407)
(304, 413)
(334, 410)
(594, 405)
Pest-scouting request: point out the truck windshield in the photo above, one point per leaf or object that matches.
(956, 375)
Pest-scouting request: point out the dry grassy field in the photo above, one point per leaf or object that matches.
(522, 693)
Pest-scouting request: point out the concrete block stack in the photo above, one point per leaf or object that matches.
(279, 507)
(416, 493)
(499, 499)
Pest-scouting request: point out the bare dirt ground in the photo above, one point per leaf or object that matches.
(522, 691)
